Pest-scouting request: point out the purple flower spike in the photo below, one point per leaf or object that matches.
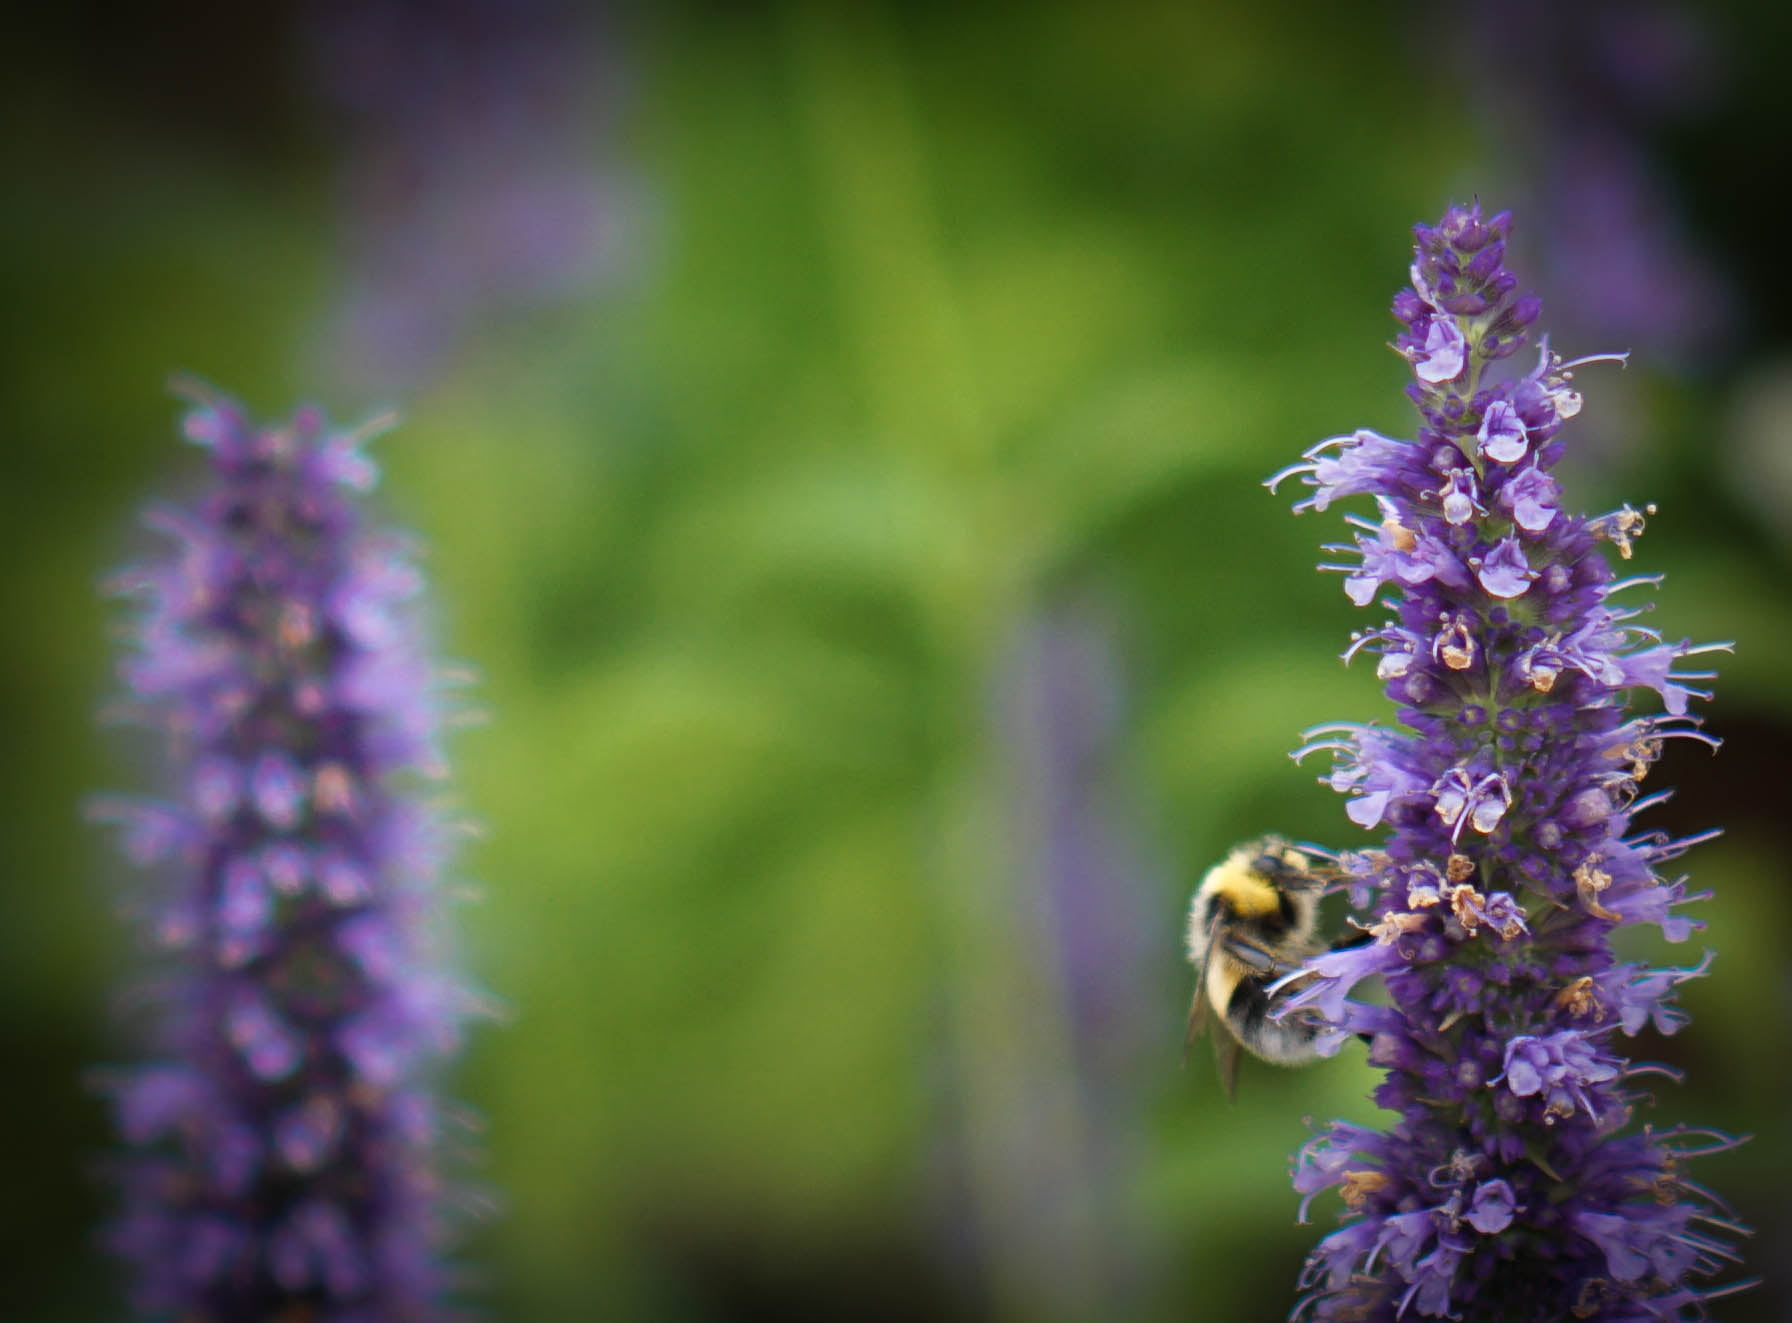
(285, 1160)
(1511, 1185)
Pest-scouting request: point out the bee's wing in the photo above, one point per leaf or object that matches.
(1258, 959)
(1197, 1008)
(1197, 1020)
(1226, 1047)
(1226, 1052)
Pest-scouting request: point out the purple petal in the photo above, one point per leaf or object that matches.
(1502, 433)
(1492, 1209)
(1533, 498)
(278, 789)
(1506, 573)
(1444, 354)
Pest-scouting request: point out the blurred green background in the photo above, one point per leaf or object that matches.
(854, 521)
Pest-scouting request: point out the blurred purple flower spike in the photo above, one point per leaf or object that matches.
(1507, 1188)
(476, 179)
(1579, 113)
(288, 1142)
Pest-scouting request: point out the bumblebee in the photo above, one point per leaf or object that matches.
(1253, 919)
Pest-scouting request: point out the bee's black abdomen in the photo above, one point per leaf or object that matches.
(1248, 1007)
(1288, 1040)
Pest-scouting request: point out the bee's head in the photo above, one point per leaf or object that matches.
(1264, 886)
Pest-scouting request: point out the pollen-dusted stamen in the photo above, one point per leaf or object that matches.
(1589, 882)
(298, 625)
(1578, 998)
(1390, 928)
(1466, 905)
(1462, 1167)
(333, 789)
(1497, 910)
(1622, 527)
(1459, 868)
(1454, 646)
(1357, 1186)
(1644, 747)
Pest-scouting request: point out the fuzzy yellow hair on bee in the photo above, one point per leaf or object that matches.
(1254, 918)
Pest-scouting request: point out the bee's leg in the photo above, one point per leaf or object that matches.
(1256, 959)
(1251, 1002)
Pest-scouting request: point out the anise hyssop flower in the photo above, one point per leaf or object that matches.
(287, 1138)
(1511, 1186)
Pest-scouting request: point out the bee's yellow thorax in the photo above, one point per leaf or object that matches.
(1244, 889)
